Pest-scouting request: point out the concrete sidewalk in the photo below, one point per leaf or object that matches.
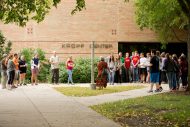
(95, 100)
(42, 106)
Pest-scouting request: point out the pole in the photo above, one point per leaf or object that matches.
(93, 85)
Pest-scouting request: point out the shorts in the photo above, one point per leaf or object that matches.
(35, 71)
(16, 75)
(142, 70)
(155, 77)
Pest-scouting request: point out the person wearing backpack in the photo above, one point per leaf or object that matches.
(169, 66)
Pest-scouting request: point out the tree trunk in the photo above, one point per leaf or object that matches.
(188, 50)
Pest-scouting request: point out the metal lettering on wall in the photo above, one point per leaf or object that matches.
(73, 46)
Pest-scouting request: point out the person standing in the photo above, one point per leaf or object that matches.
(111, 66)
(148, 57)
(35, 65)
(142, 68)
(122, 59)
(135, 62)
(154, 71)
(127, 66)
(184, 70)
(10, 72)
(3, 71)
(22, 69)
(70, 65)
(101, 80)
(169, 66)
(54, 60)
(16, 62)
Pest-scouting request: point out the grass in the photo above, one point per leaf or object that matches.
(84, 91)
(167, 110)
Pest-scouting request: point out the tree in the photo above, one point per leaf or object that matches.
(5, 46)
(165, 17)
(21, 11)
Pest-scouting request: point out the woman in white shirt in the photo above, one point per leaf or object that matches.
(111, 66)
(142, 67)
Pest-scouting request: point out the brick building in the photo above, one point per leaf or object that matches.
(110, 23)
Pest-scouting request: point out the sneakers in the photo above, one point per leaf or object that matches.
(160, 89)
(150, 91)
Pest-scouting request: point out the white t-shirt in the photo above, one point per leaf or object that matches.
(143, 62)
(55, 60)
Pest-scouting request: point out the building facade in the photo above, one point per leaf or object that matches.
(109, 23)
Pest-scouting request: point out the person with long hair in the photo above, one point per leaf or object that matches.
(4, 71)
(169, 66)
(177, 70)
(22, 69)
(148, 57)
(70, 66)
(111, 66)
(10, 72)
(184, 70)
(35, 65)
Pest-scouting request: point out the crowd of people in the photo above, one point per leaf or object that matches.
(14, 67)
(156, 68)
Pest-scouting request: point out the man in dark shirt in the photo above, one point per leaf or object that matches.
(154, 72)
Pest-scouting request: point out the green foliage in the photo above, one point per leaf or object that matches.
(163, 17)
(81, 71)
(164, 110)
(86, 91)
(5, 46)
(44, 65)
(21, 11)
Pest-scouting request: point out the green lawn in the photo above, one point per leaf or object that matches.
(84, 91)
(163, 110)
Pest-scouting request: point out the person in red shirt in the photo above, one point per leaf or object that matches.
(69, 66)
(135, 62)
(127, 66)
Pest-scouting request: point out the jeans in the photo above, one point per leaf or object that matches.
(111, 77)
(3, 79)
(55, 75)
(171, 79)
(135, 74)
(184, 79)
(128, 74)
(11, 75)
(70, 79)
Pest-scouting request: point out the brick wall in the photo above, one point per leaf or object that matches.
(105, 21)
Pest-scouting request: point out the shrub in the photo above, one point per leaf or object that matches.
(81, 71)
(44, 64)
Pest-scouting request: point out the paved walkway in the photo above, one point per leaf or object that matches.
(95, 100)
(42, 106)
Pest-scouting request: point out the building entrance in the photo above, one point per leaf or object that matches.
(144, 47)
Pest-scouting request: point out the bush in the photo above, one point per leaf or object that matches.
(81, 71)
(44, 64)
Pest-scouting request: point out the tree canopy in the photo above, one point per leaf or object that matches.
(21, 11)
(163, 17)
